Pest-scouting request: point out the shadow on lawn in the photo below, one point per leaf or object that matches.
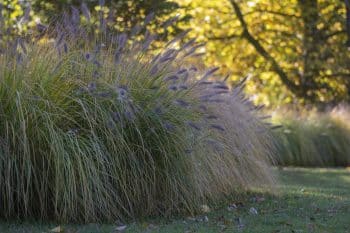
(308, 200)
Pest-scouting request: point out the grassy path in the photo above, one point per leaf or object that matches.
(309, 200)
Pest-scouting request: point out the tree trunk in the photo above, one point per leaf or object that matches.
(347, 5)
(312, 45)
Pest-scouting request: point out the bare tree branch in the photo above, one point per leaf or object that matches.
(334, 34)
(337, 75)
(228, 37)
(272, 13)
(261, 50)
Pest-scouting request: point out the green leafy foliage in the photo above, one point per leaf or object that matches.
(292, 51)
(26, 17)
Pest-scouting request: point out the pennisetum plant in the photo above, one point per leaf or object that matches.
(313, 139)
(95, 127)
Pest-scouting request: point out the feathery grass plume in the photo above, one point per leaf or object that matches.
(313, 139)
(241, 155)
(84, 137)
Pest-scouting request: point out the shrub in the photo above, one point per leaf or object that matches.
(100, 129)
(314, 139)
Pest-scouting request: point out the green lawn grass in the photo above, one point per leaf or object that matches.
(308, 200)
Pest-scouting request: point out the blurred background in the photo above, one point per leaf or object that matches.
(292, 52)
(295, 55)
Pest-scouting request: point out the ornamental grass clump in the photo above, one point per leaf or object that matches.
(97, 128)
(314, 139)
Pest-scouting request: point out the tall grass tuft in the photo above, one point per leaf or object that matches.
(314, 139)
(98, 129)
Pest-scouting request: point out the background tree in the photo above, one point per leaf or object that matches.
(288, 48)
(119, 15)
(123, 13)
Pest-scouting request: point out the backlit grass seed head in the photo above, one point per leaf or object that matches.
(154, 70)
(193, 125)
(122, 93)
(203, 108)
(211, 117)
(218, 127)
(193, 69)
(182, 71)
(170, 22)
(221, 86)
(185, 77)
(92, 87)
(183, 87)
(149, 18)
(215, 145)
(169, 126)
(172, 78)
(205, 83)
(182, 103)
(86, 12)
(87, 56)
(173, 87)
(209, 73)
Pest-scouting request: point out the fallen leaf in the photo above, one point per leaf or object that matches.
(311, 227)
(240, 204)
(227, 222)
(57, 229)
(151, 227)
(240, 224)
(205, 219)
(205, 209)
(332, 211)
(232, 207)
(191, 219)
(121, 228)
(253, 211)
(220, 218)
(258, 199)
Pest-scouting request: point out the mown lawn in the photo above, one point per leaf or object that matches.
(308, 200)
